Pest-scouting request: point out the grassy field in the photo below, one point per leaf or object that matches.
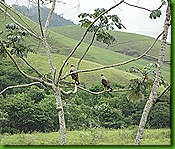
(115, 75)
(124, 41)
(64, 39)
(99, 136)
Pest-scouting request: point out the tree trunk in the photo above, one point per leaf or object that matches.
(59, 108)
(153, 95)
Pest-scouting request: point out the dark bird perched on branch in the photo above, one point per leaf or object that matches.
(74, 75)
(105, 83)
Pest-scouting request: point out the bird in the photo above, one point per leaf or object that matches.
(105, 83)
(74, 75)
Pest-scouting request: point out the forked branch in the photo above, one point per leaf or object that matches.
(18, 86)
(22, 72)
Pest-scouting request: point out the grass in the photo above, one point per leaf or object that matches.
(98, 136)
(114, 75)
(64, 39)
(124, 41)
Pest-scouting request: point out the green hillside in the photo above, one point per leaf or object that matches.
(128, 43)
(115, 75)
(62, 45)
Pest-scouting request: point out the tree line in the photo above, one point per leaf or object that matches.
(33, 109)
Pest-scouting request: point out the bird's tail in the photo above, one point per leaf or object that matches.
(77, 82)
(110, 89)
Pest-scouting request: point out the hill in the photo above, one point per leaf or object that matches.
(62, 44)
(126, 43)
(115, 75)
(30, 12)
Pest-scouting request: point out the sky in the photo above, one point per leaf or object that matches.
(134, 19)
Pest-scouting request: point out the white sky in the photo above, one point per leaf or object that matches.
(134, 19)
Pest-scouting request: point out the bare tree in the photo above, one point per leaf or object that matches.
(153, 95)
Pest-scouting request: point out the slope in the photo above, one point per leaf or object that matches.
(63, 45)
(89, 78)
(128, 43)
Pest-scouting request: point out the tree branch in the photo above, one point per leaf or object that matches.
(22, 72)
(114, 65)
(39, 19)
(69, 92)
(93, 37)
(31, 33)
(46, 45)
(17, 86)
(158, 98)
(142, 7)
(97, 93)
(155, 58)
(81, 40)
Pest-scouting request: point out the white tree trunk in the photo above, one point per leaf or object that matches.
(59, 108)
(153, 94)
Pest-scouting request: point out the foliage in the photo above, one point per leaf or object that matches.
(34, 110)
(105, 21)
(24, 115)
(154, 14)
(14, 41)
(140, 85)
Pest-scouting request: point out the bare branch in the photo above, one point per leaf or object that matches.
(17, 86)
(46, 45)
(39, 19)
(49, 17)
(87, 49)
(97, 93)
(78, 6)
(142, 7)
(158, 98)
(22, 72)
(16, 22)
(114, 65)
(81, 40)
(155, 58)
(69, 92)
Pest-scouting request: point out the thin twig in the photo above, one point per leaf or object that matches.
(39, 19)
(87, 49)
(155, 58)
(142, 7)
(17, 86)
(97, 93)
(158, 98)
